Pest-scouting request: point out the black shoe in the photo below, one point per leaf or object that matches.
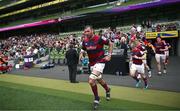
(96, 103)
(75, 82)
(108, 96)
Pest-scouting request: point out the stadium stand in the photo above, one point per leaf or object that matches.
(55, 12)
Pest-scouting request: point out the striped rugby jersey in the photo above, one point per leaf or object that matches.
(94, 48)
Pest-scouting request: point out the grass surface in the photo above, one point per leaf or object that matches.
(157, 97)
(24, 97)
(22, 92)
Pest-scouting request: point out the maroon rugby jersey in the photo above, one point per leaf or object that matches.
(138, 53)
(141, 47)
(94, 48)
(159, 46)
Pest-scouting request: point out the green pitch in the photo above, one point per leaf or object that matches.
(31, 93)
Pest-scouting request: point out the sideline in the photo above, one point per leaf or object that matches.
(157, 97)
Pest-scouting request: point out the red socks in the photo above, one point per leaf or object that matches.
(95, 91)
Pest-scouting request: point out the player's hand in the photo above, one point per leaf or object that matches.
(136, 57)
(107, 58)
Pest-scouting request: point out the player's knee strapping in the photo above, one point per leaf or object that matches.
(94, 76)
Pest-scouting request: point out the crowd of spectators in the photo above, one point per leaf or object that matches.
(39, 45)
(166, 27)
(158, 27)
(17, 47)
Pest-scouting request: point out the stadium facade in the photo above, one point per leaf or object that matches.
(70, 16)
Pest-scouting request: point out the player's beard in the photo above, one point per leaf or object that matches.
(89, 36)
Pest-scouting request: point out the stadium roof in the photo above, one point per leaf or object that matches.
(10, 7)
(150, 4)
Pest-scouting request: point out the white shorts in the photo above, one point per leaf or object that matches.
(159, 57)
(139, 68)
(166, 53)
(97, 67)
(144, 61)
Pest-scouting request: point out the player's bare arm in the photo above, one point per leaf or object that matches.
(108, 57)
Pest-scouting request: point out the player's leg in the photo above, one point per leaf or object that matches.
(133, 73)
(167, 57)
(149, 59)
(164, 63)
(141, 71)
(105, 86)
(144, 78)
(158, 57)
(98, 69)
(147, 67)
(92, 82)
